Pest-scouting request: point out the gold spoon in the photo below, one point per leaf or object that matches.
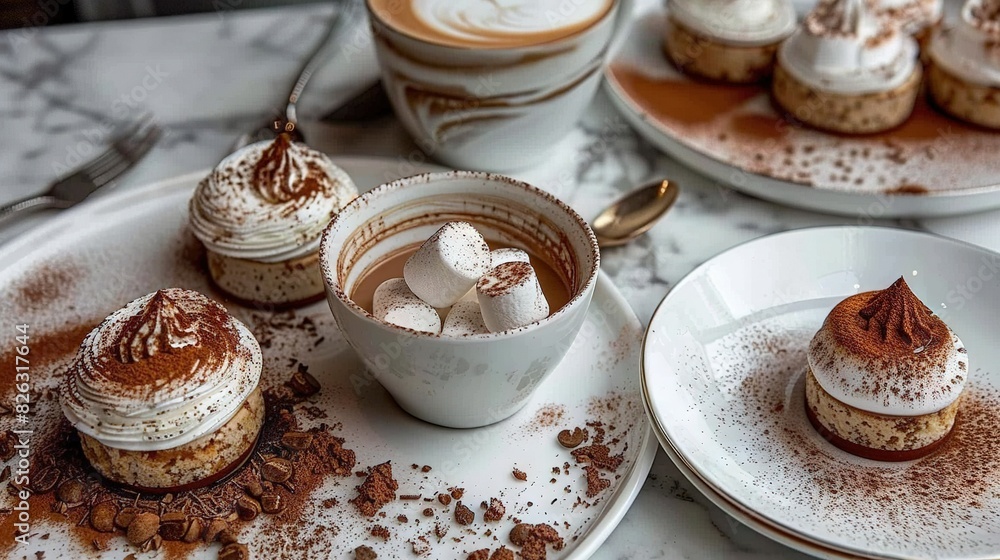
(633, 214)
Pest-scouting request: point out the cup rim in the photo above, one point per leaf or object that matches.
(333, 286)
(466, 48)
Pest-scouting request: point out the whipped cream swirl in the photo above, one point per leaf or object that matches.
(163, 371)
(739, 22)
(269, 201)
(490, 21)
(970, 47)
(912, 16)
(842, 47)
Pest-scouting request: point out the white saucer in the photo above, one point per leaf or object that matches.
(125, 244)
(931, 166)
(722, 377)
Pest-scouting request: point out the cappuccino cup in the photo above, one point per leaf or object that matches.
(492, 84)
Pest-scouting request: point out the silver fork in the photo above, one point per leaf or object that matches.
(127, 149)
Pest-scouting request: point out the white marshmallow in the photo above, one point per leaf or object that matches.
(509, 254)
(464, 318)
(510, 297)
(397, 305)
(448, 264)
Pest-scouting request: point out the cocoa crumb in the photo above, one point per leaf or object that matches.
(519, 474)
(445, 499)
(495, 511)
(595, 484)
(364, 553)
(464, 515)
(377, 490)
(381, 532)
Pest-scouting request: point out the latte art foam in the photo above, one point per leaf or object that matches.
(490, 23)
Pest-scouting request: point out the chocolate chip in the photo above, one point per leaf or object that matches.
(464, 515)
(364, 553)
(572, 439)
(297, 441)
(272, 503)
(70, 492)
(102, 517)
(142, 528)
(277, 470)
(234, 551)
(303, 383)
(173, 526)
(247, 508)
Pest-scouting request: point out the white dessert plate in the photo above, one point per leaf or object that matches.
(930, 166)
(98, 256)
(723, 365)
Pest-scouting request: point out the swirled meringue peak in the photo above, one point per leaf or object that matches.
(269, 201)
(844, 47)
(164, 370)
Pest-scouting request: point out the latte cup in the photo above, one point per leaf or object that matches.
(472, 380)
(489, 107)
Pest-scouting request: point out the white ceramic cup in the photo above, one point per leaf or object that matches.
(471, 381)
(493, 109)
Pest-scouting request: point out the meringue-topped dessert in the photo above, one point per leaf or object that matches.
(885, 376)
(964, 69)
(260, 215)
(731, 41)
(846, 70)
(164, 393)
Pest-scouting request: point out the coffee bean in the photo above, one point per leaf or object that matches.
(254, 489)
(272, 503)
(297, 441)
(194, 530)
(125, 517)
(102, 517)
(142, 528)
(173, 526)
(45, 481)
(215, 528)
(234, 551)
(304, 384)
(227, 537)
(70, 492)
(247, 508)
(277, 470)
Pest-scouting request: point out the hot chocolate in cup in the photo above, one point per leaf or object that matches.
(472, 380)
(481, 84)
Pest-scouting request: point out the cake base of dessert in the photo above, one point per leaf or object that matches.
(864, 113)
(201, 462)
(973, 103)
(876, 436)
(709, 59)
(279, 285)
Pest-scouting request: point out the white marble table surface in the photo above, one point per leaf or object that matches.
(208, 77)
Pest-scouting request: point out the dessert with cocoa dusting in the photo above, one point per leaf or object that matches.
(885, 376)
(164, 393)
(260, 215)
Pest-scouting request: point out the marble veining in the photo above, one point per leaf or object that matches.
(207, 78)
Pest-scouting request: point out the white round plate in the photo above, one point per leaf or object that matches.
(92, 259)
(723, 365)
(931, 166)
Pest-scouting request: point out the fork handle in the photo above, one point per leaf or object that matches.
(26, 204)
